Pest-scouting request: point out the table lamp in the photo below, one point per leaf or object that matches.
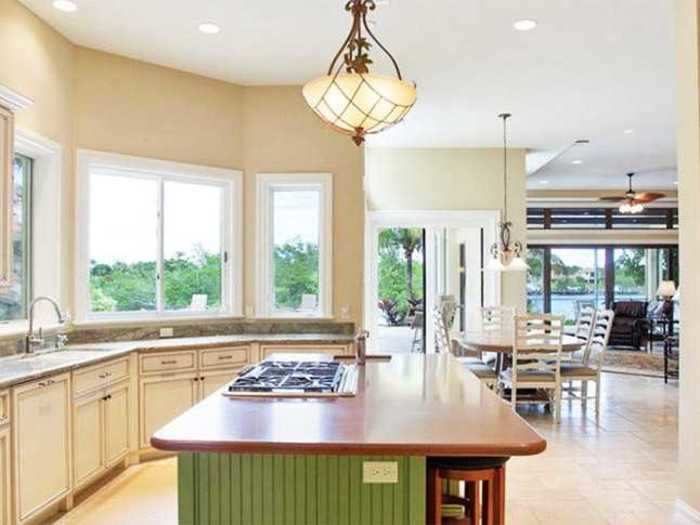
(667, 289)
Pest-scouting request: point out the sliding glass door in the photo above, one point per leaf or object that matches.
(563, 279)
(577, 280)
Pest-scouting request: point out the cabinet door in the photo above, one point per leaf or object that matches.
(5, 501)
(41, 443)
(116, 424)
(210, 382)
(162, 399)
(87, 437)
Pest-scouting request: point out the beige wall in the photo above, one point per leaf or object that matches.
(140, 109)
(94, 100)
(282, 135)
(688, 82)
(451, 179)
(39, 63)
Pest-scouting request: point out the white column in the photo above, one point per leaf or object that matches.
(688, 68)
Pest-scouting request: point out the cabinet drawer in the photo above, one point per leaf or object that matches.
(168, 362)
(99, 376)
(4, 408)
(224, 357)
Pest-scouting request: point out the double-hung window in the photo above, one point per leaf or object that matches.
(294, 245)
(157, 239)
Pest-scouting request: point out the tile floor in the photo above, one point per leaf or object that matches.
(621, 471)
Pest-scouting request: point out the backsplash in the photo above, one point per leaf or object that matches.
(12, 346)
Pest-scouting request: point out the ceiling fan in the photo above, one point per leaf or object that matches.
(633, 202)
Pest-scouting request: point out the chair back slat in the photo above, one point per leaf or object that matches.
(538, 342)
(497, 318)
(600, 336)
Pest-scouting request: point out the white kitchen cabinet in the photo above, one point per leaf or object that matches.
(163, 398)
(42, 452)
(7, 127)
(87, 437)
(5, 478)
(5, 463)
(116, 415)
(210, 382)
(100, 432)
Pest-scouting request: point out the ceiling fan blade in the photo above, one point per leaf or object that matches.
(612, 198)
(648, 197)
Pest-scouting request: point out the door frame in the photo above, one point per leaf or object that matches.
(430, 221)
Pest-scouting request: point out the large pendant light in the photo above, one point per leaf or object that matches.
(507, 255)
(350, 98)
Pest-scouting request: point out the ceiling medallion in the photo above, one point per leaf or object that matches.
(351, 99)
(506, 254)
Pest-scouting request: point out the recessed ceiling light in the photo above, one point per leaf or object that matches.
(65, 5)
(629, 131)
(577, 161)
(209, 29)
(524, 25)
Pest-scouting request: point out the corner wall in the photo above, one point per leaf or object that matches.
(688, 82)
(452, 179)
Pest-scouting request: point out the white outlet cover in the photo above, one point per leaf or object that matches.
(380, 472)
(166, 332)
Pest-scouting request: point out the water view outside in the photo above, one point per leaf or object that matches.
(578, 277)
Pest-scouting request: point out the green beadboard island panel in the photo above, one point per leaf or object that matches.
(266, 489)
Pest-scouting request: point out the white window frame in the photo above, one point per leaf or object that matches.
(266, 184)
(143, 168)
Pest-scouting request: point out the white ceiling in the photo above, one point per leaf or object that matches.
(591, 69)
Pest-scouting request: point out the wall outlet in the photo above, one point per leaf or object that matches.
(345, 312)
(167, 332)
(380, 472)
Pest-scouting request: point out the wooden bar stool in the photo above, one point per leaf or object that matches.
(485, 490)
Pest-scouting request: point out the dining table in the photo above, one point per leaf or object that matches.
(501, 343)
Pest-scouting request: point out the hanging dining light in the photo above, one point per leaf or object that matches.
(507, 255)
(351, 99)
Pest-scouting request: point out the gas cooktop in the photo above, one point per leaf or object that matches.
(295, 379)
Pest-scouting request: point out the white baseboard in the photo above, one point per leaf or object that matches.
(687, 511)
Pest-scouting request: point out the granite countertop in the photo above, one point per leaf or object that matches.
(19, 369)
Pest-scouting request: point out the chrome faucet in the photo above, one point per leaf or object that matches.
(31, 340)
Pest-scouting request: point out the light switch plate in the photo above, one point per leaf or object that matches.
(380, 472)
(166, 332)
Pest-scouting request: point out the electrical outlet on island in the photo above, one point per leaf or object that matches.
(380, 472)
(166, 332)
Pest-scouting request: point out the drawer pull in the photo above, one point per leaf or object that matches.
(47, 383)
(105, 375)
(171, 362)
(222, 357)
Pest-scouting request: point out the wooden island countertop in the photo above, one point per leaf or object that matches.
(413, 405)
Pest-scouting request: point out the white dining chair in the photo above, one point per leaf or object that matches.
(536, 361)
(497, 318)
(588, 370)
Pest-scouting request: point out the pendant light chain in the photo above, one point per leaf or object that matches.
(505, 117)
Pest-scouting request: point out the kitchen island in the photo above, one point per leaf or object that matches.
(270, 460)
